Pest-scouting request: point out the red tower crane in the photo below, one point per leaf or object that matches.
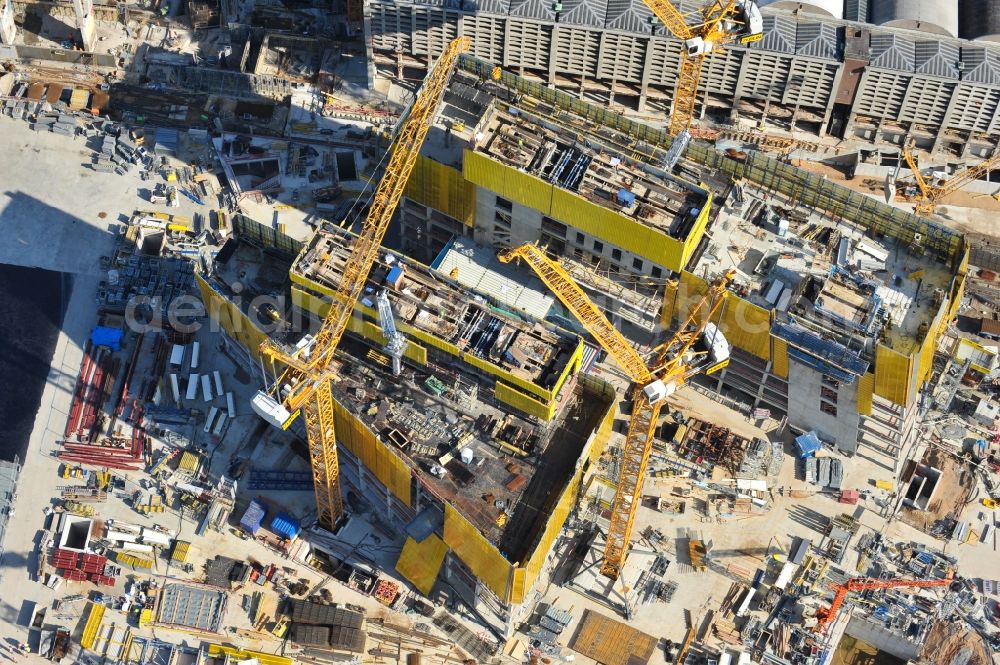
(866, 584)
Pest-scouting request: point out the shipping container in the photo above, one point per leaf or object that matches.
(206, 387)
(195, 352)
(211, 417)
(177, 355)
(219, 424)
(153, 537)
(175, 389)
(254, 516)
(192, 389)
(230, 405)
(218, 383)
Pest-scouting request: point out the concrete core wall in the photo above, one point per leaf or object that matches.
(805, 392)
(882, 639)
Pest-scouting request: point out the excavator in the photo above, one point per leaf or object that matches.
(929, 194)
(826, 616)
(697, 346)
(304, 384)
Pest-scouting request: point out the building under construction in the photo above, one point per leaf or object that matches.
(840, 298)
(477, 449)
(913, 70)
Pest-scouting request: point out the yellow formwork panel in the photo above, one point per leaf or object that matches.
(443, 188)
(519, 585)
(296, 278)
(779, 357)
(94, 619)
(925, 356)
(866, 387)
(415, 352)
(553, 526)
(525, 403)
(509, 377)
(230, 318)
(697, 231)
(234, 655)
(482, 558)
(507, 182)
(430, 340)
(384, 464)
(746, 326)
(617, 229)
(669, 302)
(894, 377)
(957, 293)
(420, 562)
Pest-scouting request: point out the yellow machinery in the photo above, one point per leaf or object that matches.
(676, 361)
(720, 22)
(304, 386)
(929, 195)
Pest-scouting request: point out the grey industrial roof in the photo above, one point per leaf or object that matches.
(584, 12)
(303, 611)
(935, 58)
(980, 65)
(311, 635)
(629, 15)
(196, 607)
(891, 51)
(779, 35)
(819, 40)
(538, 9)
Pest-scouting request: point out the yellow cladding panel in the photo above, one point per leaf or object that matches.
(525, 403)
(296, 278)
(957, 292)
(925, 362)
(482, 558)
(893, 376)
(572, 366)
(431, 340)
(443, 188)
(420, 562)
(390, 470)
(519, 585)
(552, 528)
(507, 182)
(779, 357)
(415, 352)
(617, 229)
(866, 386)
(230, 318)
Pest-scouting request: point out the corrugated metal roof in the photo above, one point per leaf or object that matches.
(779, 35)
(480, 270)
(538, 9)
(935, 58)
(892, 52)
(584, 12)
(630, 15)
(819, 40)
(488, 6)
(981, 65)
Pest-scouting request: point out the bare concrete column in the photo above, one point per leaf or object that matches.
(8, 31)
(85, 22)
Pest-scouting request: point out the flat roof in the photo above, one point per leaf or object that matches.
(478, 268)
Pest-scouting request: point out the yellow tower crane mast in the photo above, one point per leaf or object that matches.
(929, 194)
(676, 361)
(304, 386)
(720, 22)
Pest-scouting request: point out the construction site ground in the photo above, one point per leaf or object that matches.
(953, 644)
(69, 232)
(955, 489)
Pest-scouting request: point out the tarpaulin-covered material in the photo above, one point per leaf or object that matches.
(284, 525)
(420, 562)
(109, 337)
(808, 444)
(254, 516)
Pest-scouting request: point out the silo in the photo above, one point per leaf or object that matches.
(979, 19)
(827, 8)
(937, 16)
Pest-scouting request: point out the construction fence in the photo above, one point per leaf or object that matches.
(806, 188)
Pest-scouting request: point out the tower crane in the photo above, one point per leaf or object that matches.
(304, 385)
(930, 194)
(698, 346)
(867, 584)
(395, 341)
(720, 22)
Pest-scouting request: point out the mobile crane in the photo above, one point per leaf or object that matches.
(867, 584)
(929, 194)
(698, 346)
(720, 22)
(304, 385)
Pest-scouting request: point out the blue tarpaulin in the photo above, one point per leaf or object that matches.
(254, 516)
(625, 197)
(808, 444)
(284, 525)
(109, 337)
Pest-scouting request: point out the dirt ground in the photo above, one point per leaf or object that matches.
(952, 493)
(967, 212)
(950, 644)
